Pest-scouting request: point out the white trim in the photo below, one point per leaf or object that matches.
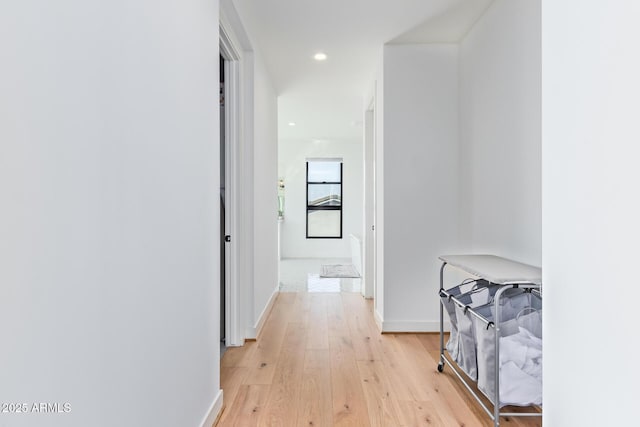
(368, 200)
(254, 332)
(236, 41)
(413, 326)
(214, 411)
(230, 49)
(246, 188)
(230, 20)
(228, 42)
(325, 159)
(378, 196)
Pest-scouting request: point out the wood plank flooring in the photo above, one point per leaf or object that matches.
(320, 361)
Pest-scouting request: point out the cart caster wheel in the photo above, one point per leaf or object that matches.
(440, 367)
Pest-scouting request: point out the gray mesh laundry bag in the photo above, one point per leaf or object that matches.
(520, 349)
(466, 356)
(449, 306)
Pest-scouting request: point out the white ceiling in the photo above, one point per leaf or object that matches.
(325, 99)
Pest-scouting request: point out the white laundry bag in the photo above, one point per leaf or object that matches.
(520, 349)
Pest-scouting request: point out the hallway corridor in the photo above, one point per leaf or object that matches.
(320, 361)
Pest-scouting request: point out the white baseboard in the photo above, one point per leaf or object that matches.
(408, 326)
(213, 412)
(252, 333)
(378, 319)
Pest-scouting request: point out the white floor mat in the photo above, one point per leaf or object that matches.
(338, 270)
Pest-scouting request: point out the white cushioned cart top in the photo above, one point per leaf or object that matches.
(495, 269)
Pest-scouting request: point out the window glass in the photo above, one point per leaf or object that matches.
(324, 198)
(324, 171)
(324, 194)
(323, 223)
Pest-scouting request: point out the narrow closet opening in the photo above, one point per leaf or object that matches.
(223, 255)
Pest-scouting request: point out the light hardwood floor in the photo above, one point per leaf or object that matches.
(320, 361)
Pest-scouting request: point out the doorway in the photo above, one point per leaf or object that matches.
(223, 228)
(230, 140)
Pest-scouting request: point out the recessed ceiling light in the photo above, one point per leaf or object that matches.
(292, 123)
(320, 56)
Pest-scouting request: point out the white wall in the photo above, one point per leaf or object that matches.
(420, 147)
(500, 132)
(590, 151)
(109, 219)
(292, 167)
(265, 182)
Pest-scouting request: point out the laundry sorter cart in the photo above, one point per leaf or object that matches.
(500, 304)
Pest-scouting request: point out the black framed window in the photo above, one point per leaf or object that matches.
(324, 199)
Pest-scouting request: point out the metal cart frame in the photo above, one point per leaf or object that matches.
(500, 271)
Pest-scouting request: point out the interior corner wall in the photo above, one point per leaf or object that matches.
(500, 132)
(591, 208)
(420, 152)
(292, 168)
(109, 181)
(265, 188)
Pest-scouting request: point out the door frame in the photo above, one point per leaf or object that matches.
(232, 94)
(369, 282)
(374, 210)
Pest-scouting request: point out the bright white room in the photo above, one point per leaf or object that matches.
(303, 250)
